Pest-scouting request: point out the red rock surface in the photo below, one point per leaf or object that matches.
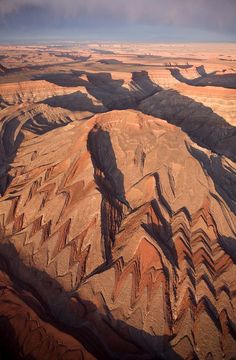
(117, 227)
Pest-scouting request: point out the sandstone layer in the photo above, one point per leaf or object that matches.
(121, 243)
(118, 208)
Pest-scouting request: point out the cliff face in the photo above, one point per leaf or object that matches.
(118, 238)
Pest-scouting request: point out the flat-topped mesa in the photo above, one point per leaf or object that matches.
(31, 91)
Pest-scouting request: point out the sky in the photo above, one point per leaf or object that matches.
(118, 20)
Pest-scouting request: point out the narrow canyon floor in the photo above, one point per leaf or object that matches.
(118, 201)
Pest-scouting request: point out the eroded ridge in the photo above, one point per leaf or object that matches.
(121, 231)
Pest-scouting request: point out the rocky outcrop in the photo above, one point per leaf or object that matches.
(121, 92)
(118, 202)
(198, 76)
(122, 231)
(22, 123)
(31, 91)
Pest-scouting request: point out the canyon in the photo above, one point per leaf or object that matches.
(118, 201)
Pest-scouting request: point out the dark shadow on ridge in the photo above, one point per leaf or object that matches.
(77, 58)
(162, 235)
(114, 205)
(111, 93)
(201, 71)
(8, 149)
(110, 62)
(114, 95)
(210, 79)
(205, 127)
(229, 246)
(66, 79)
(9, 347)
(202, 125)
(223, 177)
(86, 324)
(39, 125)
(110, 183)
(76, 101)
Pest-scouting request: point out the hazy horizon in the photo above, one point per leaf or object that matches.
(104, 20)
